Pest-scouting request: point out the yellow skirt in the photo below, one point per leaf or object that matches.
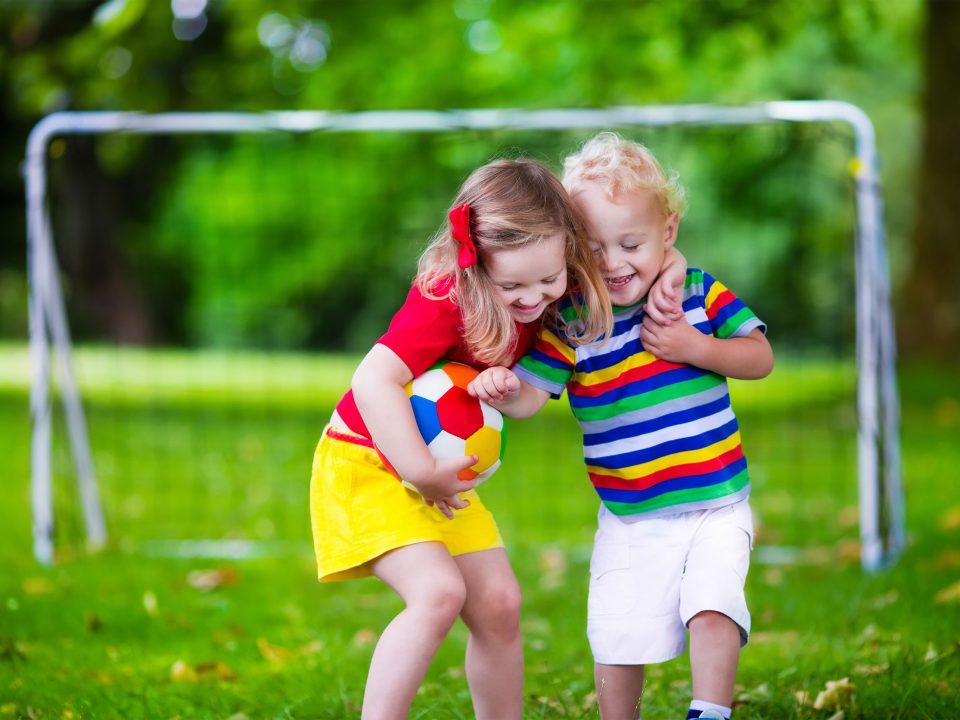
(359, 510)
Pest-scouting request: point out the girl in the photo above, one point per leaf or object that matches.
(513, 243)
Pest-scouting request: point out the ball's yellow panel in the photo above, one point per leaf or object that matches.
(485, 444)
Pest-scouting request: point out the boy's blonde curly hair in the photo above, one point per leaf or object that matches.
(621, 165)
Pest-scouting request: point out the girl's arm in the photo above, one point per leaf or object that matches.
(665, 299)
(502, 389)
(746, 358)
(378, 391)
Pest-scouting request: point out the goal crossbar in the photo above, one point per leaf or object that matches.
(878, 448)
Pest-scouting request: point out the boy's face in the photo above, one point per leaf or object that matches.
(629, 235)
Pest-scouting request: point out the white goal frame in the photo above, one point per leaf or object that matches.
(878, 444)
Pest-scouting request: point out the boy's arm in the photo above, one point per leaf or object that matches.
(502, 389)
(748, 357)
(385, 408)
(665, 299)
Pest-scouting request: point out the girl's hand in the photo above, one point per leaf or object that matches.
(664, 301)
(494, 384)
(665, 298)
(448, 504)
(439, 484)
(677, 342)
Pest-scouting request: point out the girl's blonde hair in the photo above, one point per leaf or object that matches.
(620, 165)
(513, 203)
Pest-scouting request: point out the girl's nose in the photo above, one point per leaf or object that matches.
(529, 299)
(607, 261)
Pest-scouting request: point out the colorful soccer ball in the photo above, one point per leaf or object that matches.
(453, 423)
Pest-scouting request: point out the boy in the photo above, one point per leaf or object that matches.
(661, 443)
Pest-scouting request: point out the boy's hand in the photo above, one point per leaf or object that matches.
(494, 384)
(678, 342)
(439, 485)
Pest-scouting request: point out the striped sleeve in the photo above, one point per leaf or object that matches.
(549, 364)
(728, 315)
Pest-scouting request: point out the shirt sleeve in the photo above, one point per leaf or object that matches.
(728, 315)
(549, 364)
(423, 331)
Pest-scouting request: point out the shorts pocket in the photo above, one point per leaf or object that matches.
(610, 591)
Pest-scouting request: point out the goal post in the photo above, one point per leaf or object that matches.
(880, 496)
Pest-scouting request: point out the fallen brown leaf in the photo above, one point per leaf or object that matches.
(150, 603)
(182, 672)
(92, 621)
(949, 594)
(274, 653)
(950, 520)
(837, 695)
(947, 558)
(364, 637)
(37, 586)
(215, 669)
(207, 580)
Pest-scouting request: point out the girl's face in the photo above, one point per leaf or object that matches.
(527, 279)
(629, 236)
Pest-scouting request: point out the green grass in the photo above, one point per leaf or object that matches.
(208, 447)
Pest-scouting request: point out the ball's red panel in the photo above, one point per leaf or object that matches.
(449, 419)
(459, 413)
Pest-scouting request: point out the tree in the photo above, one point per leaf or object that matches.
(930, 315)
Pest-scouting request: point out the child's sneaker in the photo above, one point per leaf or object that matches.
(712, 714)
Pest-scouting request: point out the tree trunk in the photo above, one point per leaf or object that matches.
(930, 315)
(100, 290)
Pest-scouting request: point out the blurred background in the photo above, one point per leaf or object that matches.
(220, 289)
(893, 59)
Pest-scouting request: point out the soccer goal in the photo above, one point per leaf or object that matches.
(202, 284)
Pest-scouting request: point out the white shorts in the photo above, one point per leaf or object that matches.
(650, 577)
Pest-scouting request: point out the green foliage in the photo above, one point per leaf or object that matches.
(124, 54)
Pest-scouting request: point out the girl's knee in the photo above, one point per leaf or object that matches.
(440, 601)
(497, 611)
(448, 597)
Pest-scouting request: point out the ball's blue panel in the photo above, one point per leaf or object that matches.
(425, 412)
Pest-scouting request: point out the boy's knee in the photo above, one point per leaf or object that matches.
(712, 622)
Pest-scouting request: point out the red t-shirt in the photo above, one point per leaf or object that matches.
(424, 331)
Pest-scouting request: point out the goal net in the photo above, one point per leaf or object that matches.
(202, 285)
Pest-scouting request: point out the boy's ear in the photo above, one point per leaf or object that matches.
(670, 230)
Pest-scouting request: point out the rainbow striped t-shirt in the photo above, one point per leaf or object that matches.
(659, 438)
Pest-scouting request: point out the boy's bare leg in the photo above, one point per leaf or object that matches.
(714, 654)
(618, 690)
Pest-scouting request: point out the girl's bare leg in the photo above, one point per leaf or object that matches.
(494, 663)
(429, 582)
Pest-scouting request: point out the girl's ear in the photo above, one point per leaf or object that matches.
(670, 228)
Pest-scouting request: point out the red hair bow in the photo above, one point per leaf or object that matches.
(460, 227)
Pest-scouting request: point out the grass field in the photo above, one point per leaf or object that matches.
(204, 447)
